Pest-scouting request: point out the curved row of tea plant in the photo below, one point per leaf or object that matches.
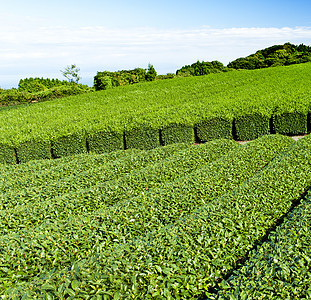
(58, 243)
(188, 258)
(38, 186)
(243, 105)
(87, 191)
(280, 268)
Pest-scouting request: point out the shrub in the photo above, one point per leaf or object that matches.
(183, 250)
(31, 150)
(213, 128)
(290, 123)
(105, 141)
(177, 133)
(142, 137)
(70, 144)
(7, 154)
(251, 126)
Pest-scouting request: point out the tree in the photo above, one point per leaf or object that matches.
(151, 73)
(72, 73)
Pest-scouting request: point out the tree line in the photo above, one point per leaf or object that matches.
(40, 89)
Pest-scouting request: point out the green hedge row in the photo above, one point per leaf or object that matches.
(280, 267)
(38, 172)
(22, 96)
(240, 105)
(28, 187)
(61, 200)
(105, 229)
(187, 259)
(244, 127)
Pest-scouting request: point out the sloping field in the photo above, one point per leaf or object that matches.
(241, 104)
(167, 223)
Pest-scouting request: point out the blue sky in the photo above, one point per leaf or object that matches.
(39, 38)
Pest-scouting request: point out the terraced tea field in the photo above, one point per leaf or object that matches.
(218, 220)
(240, 105)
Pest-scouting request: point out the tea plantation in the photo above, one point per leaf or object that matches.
(242, 105)
(218, 220)
(106, 196)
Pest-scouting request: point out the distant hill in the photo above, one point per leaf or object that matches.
(278, 55)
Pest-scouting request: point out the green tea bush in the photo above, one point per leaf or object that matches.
(71, 144)
(251, 126)
(290, 123)
(138, 181)
(177, 133)
(33, 150)
(142, 137)
(161, 253)
(179, 109)
(7, 154)
(213, 128)
(52, 180)
(105, 141)
(280, 267)
(188, 258)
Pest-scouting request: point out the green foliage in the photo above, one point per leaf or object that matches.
(167, 76)
(177, 133)
(39, 90)
(177, 108)
(249, 63)
(278, 55)
(290, 123)
(70, 144)
(280, 267)
(158, 237)
(151, 73)
(101, 141)
(31, 150)
(34, 85)
(63, 186)
(161, 172)
(201, 68)
(7, 154)
(214, 128)
(251, 126)
(14, 97)
(142, 137)
(106, 79)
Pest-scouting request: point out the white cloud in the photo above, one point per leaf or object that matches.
(40, 51)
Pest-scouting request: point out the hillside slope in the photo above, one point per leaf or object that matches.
(241, 105)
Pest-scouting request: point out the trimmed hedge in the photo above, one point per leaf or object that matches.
(135, 183)
(213, 128)
(290, 123)
(7, 154)
(177, 133)
(71, 144)
(102, 231)
(142, 137)
(280, 267)
(17, 177)
(176, 108)
(18, 197)
(33, 150)
(105, 141)
(251, 126)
